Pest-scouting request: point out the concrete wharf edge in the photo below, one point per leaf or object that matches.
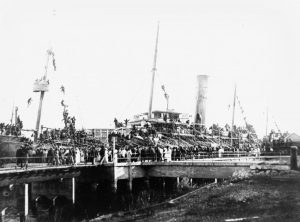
(222, 168)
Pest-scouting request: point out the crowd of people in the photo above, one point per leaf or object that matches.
(10, 129)
(55, 154)
(150, 142)
(188, 136)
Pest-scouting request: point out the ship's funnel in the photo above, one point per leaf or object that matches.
(201, 99)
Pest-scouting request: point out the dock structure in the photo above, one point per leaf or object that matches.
(220, 168)
(114, 172)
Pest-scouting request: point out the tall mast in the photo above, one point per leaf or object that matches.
(153, 74)
(233, 112)
(16, 115)
(12, 116)
(43, 89)
(267, 120)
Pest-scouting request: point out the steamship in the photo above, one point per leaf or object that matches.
(178, 129)
(174, 128)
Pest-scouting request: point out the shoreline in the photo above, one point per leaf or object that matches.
(260, 196)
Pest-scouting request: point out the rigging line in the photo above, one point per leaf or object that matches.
(276, 125)
(242, 112)
(136, 94)
(159, 79)
(160, 82)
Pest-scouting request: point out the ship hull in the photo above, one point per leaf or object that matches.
(9, 145)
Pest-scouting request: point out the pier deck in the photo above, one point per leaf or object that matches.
(204, 168)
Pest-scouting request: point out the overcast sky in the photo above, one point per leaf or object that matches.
(104, 54)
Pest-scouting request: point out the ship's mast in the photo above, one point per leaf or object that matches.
(153, 74)
(37, 127)
(16, 115)
(267, 121)
(233, 112)
(12, 116)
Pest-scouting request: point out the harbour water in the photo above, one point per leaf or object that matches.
(52, 200)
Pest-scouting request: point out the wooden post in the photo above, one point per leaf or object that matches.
(114, 186)
(26, 204)
(115, 161)
(294, 154)
(147, 182)
(73, 190)
(130, 185)
(115, 157)
(129, 172)
(23, 201)
(54, 201)
(2, 218)
(164, 183)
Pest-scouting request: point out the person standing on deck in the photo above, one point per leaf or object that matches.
(50, 156)
(56, 157)
(168, 154)
(165, 153)
(77, 156)
(25, 156)
(19, 156)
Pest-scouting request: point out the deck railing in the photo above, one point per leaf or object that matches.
(35, 162)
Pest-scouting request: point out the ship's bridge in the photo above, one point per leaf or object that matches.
(165, 116)
(161, 119)
(41, 85)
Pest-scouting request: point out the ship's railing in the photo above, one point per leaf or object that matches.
(22, 162)
(148, 157)
(35, 162)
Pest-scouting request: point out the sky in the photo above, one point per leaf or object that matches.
(104, 55)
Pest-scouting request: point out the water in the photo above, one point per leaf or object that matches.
(52, 200)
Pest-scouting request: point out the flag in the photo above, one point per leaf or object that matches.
(53, 62)
(51, 53)
(62, 89)
(29, 101)
(166, 96)
(165, 93)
